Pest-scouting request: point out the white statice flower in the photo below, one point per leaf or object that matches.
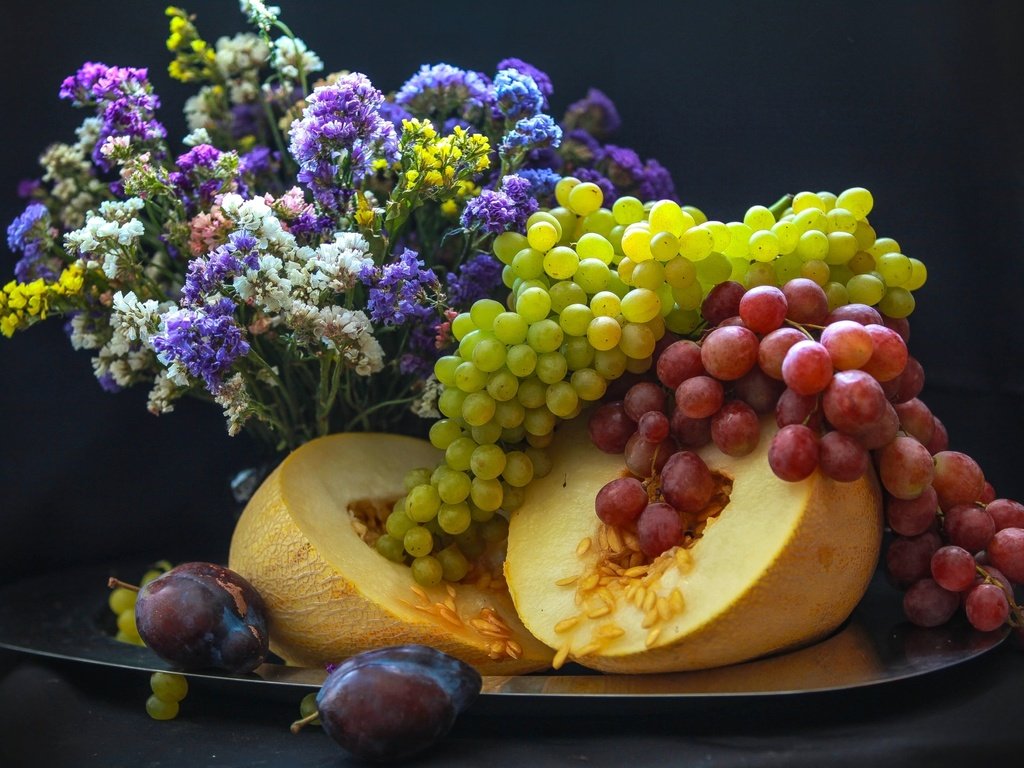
(260, 14)
(292, 56)
(136, 320)
(247, 214)
(234, 398)
(84, 333)
(88, 134)
(342, 260)
(425, 405)
(266, 286)
(346, 330)
(108, 239)
(196, 137)
(163, 394)
(239, 59)
(124, 360)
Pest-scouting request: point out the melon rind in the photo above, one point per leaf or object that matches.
(328, 594)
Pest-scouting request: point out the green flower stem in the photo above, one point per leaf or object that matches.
(362, 416)
(286, 157)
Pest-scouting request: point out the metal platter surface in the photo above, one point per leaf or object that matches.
(64, 615)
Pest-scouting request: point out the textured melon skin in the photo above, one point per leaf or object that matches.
(328, 594)
(783, 565)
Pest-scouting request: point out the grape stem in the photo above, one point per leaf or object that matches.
(114, 583)
(299, 724)
(778, 208)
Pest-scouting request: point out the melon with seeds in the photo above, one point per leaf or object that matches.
(304, 541)
(774, 565)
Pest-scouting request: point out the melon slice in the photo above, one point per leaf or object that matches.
(780, 566)
(300, 541)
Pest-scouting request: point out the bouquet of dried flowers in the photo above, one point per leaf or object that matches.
(299, 260)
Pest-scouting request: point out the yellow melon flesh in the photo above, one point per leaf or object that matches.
(330, 595)
(782, 565)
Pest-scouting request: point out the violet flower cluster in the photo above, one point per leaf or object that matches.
(299, 256)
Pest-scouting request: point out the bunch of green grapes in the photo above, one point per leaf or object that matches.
(591, 292)
(828, 239)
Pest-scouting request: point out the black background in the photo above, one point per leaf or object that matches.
(742, 101)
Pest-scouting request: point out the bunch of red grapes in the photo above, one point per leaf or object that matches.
(844, 391)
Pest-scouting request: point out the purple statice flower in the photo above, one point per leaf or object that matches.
(255, 165)
(28, 187)
(309, 227)
(340, 137)
(421, 348)
(611, 194)
(539, 77)
(193, 180)
(25, 235)
(545, 157)
(109, 384)
(394, 114)
(202, 341)
(398, 288)
(246, 119)
(530, 133)
(500, 210)
(477, 278)
(579, 148)
(516, 95)
(206, 275)
(594, 113)
(438, 91)
(123, 98)
(623, 166)
(657, 183)
(542, 181)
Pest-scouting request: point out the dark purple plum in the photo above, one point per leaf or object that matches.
(203, 616)
(461, 681)
(391, 703)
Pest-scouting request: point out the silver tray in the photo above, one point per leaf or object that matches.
(64, 615)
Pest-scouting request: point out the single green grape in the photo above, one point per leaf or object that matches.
(518, 470)
(585, 198)
(308, 706)
(487, 433)
(457, 456)
(121, 599)
(158, 709)
(454, 518)
(452, 485)
(545, 335)
(502, 385)
(592, 245)
(487, 461)
(441, 434)
(418, 541)
(427, 571)
(565, 292)
(592, 275)
(168, 686)
(454, 565)
(509, 328)
(423, 501)
(398, 523)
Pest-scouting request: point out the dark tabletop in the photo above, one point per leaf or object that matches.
(58, 714)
